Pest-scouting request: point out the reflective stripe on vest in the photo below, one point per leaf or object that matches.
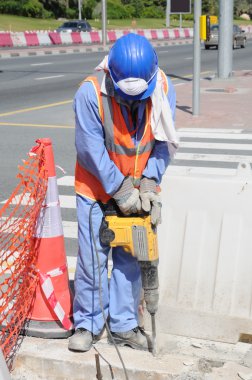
(131, 160)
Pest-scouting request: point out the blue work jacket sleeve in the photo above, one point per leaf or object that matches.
(89, 140)
(160, 158)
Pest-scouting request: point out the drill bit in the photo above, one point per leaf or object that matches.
(153, 328)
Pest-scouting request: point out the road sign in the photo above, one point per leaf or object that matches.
(213, 19)
(180, 6)
(204, 27)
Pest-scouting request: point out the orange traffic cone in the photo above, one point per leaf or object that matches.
(51, 312)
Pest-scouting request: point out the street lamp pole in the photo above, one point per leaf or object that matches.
(104, 22)
(79, 7)
(196, 58)
(225, 51)
(168, 13)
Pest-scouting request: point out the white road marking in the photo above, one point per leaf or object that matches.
(22, 199)
(212, 157)
(197, 131)
(41, 64)
(217, 135)
(189, 58)
(67, 201)
(216, 145)
(70, 229)
(66, 181)
(71, 263)
(200, 170)
(52, 77)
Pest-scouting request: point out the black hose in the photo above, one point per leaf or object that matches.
(100, 290)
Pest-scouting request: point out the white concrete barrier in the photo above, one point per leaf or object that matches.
(190, 32)
(4, 372)
(44, 38)
(160, 34)
(85, 37)
(205, 248)
(171, 34)
(66, 38)
(147, 34)
(18, 39)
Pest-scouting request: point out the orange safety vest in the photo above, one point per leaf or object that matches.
(131, 160)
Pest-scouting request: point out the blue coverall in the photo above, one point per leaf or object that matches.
(121, 297)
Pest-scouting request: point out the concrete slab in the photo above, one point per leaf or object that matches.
(178, 358)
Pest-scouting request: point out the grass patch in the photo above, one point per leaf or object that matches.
(21, 24)
(144, 23)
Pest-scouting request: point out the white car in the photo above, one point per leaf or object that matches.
(239, 37)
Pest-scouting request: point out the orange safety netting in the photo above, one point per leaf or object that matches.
(18, 255)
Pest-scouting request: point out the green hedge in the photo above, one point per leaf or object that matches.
(30, 8)
(153, 12)
(10, 7)
(116, 11)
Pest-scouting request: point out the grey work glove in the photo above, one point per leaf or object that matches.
(151, 201)
(127, 198)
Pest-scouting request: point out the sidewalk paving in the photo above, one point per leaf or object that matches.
(224, 104)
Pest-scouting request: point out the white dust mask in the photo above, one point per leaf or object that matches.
(132, 86)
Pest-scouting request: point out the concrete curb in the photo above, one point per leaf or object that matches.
(179, 358)
(72, 49)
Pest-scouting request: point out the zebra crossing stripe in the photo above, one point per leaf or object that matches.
(71, 265)
(66, 201)
(214, 145)
(199, 170)
(66, 181)
(213, 157)
(210, 130)
(216, 135)
(70, 229)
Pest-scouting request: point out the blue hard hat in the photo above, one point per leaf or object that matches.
(133, 66)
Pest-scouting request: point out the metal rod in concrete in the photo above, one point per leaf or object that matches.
(168, 13)
(104, 23)
(196, 58)
(225, 52)
(98, 367)
(154, 335)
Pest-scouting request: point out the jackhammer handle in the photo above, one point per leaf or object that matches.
(111, 209)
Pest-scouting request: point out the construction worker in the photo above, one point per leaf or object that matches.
(124, 139)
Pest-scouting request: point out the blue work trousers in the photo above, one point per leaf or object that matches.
(120, 296)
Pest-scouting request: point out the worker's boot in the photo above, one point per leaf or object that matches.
(82, 340)
(135, 338)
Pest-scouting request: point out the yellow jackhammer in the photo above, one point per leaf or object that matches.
(136, 235)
